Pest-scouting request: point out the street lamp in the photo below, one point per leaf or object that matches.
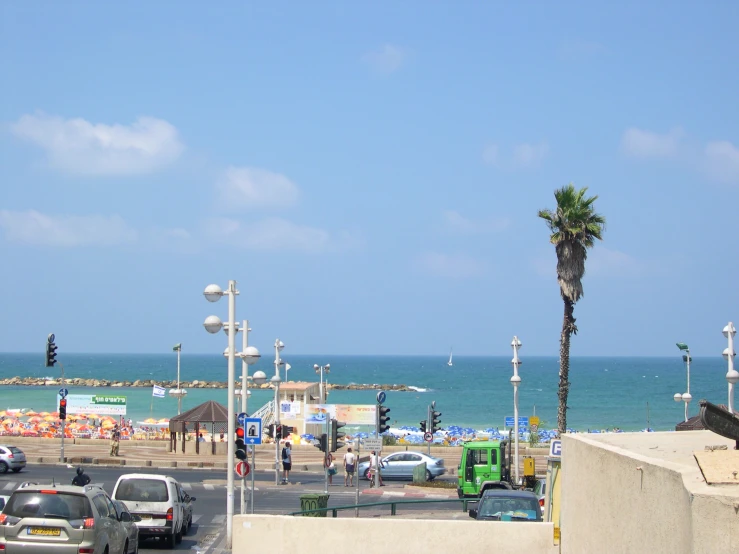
(321, 369)
(515, 381)
(732, 375)
(279, 346)
(178, 393)
(213, 324)
(685, 397)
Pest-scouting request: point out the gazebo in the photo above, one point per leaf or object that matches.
(208, 415)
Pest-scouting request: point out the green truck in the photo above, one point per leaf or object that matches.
(484, 465)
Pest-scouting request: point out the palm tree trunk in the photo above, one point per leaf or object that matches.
(568, 327)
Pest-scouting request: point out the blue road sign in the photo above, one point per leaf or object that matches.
(253, 430)
(241, 418)
(555, 448)
(522, 421)
(63, 392)
(381, 397)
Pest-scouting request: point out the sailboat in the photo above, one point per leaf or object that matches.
(449, 363)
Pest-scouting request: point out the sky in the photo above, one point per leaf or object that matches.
(368, 172)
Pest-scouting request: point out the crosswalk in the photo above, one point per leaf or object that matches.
(9, 486)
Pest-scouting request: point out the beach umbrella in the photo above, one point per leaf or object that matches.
(28, 413)
(163, 420)
(43, 414)
(48, 418)
(35, 419)
(150, 420)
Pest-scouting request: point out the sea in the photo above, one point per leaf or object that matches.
(628, 393)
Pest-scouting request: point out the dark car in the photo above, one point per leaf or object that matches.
(507, 505)
(187, 501)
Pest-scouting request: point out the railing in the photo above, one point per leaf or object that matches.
(266, 413)
(392, 503)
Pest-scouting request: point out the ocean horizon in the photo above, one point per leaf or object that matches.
(631, 393)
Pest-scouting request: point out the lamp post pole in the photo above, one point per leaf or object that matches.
(686, 397)
(515, 381)
(178, 392)
(249, 355)
(320, 369)
(276, 381)
(732, 375)
(213, 324)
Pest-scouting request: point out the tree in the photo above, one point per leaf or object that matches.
(574, 227)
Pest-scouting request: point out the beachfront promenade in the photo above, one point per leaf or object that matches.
(155, 453)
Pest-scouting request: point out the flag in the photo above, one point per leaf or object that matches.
(158, 391)
(682, 346)
(177, 347)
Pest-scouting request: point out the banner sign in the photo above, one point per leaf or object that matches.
(357, 414)
(290, 409)
(319, 413)
(96, 404)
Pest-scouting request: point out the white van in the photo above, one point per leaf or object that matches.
(157, 500)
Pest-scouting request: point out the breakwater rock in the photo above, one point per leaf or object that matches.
(79, 382)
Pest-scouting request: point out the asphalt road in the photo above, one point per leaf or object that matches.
(209, 489)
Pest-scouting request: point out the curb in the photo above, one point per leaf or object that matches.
(375, 492)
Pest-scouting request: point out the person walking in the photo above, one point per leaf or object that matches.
(330, 467)
(349, 464)
(115, 437)
(375, 464)
(287, 462)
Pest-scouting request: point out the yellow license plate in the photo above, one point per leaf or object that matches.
(146, 516)
(45, 531)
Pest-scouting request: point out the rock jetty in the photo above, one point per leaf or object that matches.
(79, 382)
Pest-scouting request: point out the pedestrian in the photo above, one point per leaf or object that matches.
(200, 438)
(115, 437)
(330, 467)
(222, 437)
(349, 463)
(375, 463)
(130, 423)
(287, 462)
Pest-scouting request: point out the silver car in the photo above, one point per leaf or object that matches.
(400, 466)
(61, 519)
(11, 457)
(129, 523)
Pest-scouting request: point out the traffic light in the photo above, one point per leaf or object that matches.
(336, 436)
(382, 419)
(63, 408)
(50, 351)
(271, 430)
(278, 432)
(240, 450)
(435, 420)
(423, 426)
(287, 430)
(322, 443)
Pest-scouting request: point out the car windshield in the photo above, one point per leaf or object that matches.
(508, 508)
(142, 490)
(42, 504)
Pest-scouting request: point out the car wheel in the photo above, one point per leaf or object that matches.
(17, 469)
(429, 477)
(171, 541)
(367, 474)
(178, 536)
(125, 548)
(3, 467)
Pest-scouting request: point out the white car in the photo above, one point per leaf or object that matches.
(3, 501)
(157, 500)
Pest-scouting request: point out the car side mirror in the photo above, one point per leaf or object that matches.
(193, 498)
(473, 513)
(135, 518)
(126, 517)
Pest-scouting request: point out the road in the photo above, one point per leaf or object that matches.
(208, 487)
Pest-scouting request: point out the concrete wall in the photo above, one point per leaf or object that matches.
(310, 535)
(616, 501)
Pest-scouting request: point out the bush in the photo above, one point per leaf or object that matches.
(389, 440)
(436, 484)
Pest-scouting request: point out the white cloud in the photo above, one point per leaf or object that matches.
(268, 234)
(639, 143)
(249, 187)
(529, 155)
(387, 59)
(722, 161)
(457, 266)
(521, 156)
(34, 228)
(78, 146)
(457, 223)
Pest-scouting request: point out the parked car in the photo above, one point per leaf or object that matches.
(51, 519)
(399, 465)
(507, 505)
(157, 500)
(187, 501)
(11, 457)
(129, 523)
(3, 500)
(540, 490)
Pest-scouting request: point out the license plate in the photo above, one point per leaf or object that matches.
(45, 531)
(146, 516)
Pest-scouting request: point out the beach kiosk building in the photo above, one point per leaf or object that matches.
(294, 396)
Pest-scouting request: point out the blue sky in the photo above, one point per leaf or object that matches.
(369, 173)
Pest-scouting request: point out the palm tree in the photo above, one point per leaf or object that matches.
(574, 226)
